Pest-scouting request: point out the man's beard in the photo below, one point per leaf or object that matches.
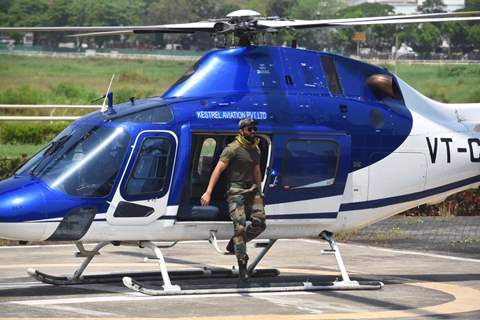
(250, 138)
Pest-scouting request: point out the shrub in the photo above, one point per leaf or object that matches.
(453, 71)
(22, 95)
(8, 166)
(29, 133)
(466, 203)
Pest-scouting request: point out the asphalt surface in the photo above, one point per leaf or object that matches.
(458, 236)
(417, 284)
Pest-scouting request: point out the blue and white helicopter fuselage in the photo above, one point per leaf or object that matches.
(338, 153)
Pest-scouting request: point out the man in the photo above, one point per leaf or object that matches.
(241, 159)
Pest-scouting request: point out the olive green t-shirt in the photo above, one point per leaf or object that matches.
(241, 162)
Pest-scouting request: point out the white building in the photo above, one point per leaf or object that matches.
(410, 6)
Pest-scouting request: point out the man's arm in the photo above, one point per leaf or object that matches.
(258, 178)
(220, 167)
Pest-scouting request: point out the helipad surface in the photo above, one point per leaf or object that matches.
(416, 285)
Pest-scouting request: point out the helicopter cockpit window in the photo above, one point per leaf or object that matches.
(83, 162)
(150, 170)
(331, 75)
(160, 114)
(310, 164)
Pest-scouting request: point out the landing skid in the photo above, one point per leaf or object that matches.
(132, 280)
(253, 288)
(78, 278)
(144, 276)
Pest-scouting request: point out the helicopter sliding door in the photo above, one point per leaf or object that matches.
(143, 193)
(307, 176)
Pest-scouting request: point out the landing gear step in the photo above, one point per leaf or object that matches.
(145, 276)
(254, 288)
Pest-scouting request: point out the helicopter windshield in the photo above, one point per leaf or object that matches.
(82, 161)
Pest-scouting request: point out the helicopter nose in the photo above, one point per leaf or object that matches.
(22, 206)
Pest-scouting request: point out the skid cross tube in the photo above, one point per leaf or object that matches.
(167, 285)
(76, 277)
(213, 241)
(327, 236)
(88, 258)
(253, 265)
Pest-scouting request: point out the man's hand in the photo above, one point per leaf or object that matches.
(219, 168)
(205, 199)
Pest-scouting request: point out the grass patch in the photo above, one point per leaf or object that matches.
(446, 83)
(394, 233)
(19, 150)
(27, 80)
(4, 242)
(346, 236)
(42, 80)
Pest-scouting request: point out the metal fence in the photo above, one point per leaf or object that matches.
(178, 55)
(146, 54)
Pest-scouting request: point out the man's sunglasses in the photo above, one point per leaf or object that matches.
(250, 129)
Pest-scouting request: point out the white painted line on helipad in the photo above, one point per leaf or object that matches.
(417, 253)
(83, 311)
(134, 296)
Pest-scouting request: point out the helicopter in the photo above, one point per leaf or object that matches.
(344, 144)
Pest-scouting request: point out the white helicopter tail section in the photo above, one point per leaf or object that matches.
(431, 115)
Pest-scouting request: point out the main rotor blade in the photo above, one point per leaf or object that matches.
(302, 24)
(407, 21)
(203, 26)
(127, 32)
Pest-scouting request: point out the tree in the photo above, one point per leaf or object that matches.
(379, 37)
(105, 13)
(456, 33)
(472, 5)
(27, 13)
(4, 7)
(474, 36)
(432, 6)
(280, 8)
(165, 12)
(424, 38)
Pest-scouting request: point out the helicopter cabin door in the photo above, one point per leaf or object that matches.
(307, 176)
(142, 195)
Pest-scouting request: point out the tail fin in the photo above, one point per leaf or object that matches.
(453, 115)
(468, 114)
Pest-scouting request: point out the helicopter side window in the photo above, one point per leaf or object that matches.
(331, 74)
(150, 170)
(310, 163)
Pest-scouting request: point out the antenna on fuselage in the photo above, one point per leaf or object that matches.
(108, 98)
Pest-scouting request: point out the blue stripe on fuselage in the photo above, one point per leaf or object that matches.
(407, 197)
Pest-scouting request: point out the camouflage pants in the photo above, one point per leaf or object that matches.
(245, 204)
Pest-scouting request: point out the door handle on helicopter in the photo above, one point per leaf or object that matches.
(274, 179)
